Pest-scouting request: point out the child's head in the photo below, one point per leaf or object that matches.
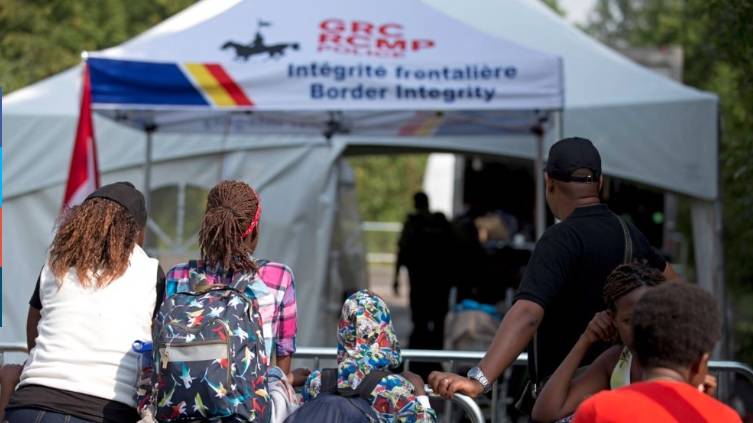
(230, 228)
(624, 287)
(676, 326)
(366, 339)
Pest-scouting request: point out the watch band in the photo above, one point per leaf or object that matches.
(478, 375)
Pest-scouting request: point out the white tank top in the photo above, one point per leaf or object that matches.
(85, 334)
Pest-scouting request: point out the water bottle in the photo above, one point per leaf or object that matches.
(144, 348)
(145, 370)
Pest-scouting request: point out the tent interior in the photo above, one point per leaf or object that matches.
(648, 129)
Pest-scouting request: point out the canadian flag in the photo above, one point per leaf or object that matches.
(83, 176)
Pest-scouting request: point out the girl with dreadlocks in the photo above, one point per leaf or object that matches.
(94, 297)
(228, 236)
(564, 391)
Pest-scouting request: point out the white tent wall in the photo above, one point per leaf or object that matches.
(297, 179)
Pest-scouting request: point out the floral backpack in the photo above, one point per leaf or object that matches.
(209, 356)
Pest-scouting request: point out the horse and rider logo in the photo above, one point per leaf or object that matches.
(258, 46)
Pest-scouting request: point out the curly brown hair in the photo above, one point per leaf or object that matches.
(674, 325)
(96, 239)
(231, 206)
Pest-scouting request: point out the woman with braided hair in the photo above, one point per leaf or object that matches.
(228, 236)
(614, 368)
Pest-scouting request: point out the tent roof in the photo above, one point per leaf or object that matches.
(328, 55)
(648, 128)
(595, 75)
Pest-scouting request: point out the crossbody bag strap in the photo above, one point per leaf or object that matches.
(370, 382)
(364, 388)
(535, 368)
(628, 257)
(329, 381)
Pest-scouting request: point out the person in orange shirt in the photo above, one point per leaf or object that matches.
(675, 327)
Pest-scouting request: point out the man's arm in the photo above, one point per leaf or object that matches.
(513, 335)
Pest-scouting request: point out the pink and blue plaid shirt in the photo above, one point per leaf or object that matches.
(274, 290)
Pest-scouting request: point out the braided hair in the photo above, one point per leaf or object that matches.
(231, 207)
(626, 278)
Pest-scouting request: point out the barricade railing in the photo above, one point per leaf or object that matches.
(473, 357)
(452, 358)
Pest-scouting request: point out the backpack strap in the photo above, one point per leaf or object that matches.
(628, 257)
(241, 281)
(329, 381)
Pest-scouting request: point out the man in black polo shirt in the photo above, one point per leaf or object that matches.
(562, 287)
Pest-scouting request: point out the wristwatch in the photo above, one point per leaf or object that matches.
(478, 375)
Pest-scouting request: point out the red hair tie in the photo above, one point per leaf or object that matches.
(257, 216)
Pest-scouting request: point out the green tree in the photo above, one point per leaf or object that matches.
(386, 184)
(717, 41)
(555, 5)
(39, 38)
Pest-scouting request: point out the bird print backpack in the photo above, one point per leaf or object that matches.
(209, 357)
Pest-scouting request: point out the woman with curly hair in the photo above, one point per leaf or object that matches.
(95, 296)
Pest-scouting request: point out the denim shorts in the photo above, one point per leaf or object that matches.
(34, 415)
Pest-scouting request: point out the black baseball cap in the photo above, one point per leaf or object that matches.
(125, 194)
(570, 154)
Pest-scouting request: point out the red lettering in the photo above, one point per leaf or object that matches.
(391, 30)
(361, 26)
(381, 43)
(361, 37)
(353, 40)
(331, 38)
(422, 44)
(332, 25)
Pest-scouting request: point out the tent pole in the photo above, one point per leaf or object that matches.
(538, 170)
(149, 129)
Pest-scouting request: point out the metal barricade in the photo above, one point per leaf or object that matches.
(465, 402)
(11, 347)
(468, 405)
(473, 357)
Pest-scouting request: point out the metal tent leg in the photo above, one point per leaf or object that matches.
(538, 170)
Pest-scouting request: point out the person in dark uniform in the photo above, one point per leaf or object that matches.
(425, 250)
(562, 286)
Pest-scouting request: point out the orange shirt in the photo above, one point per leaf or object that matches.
(656, 401)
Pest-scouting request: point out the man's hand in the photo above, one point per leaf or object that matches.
(416, 381)
(708, 386)
(600, 328)
(447, 384)
(297, 377)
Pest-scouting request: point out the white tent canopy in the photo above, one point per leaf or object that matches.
(649, 129)
(331, 67)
